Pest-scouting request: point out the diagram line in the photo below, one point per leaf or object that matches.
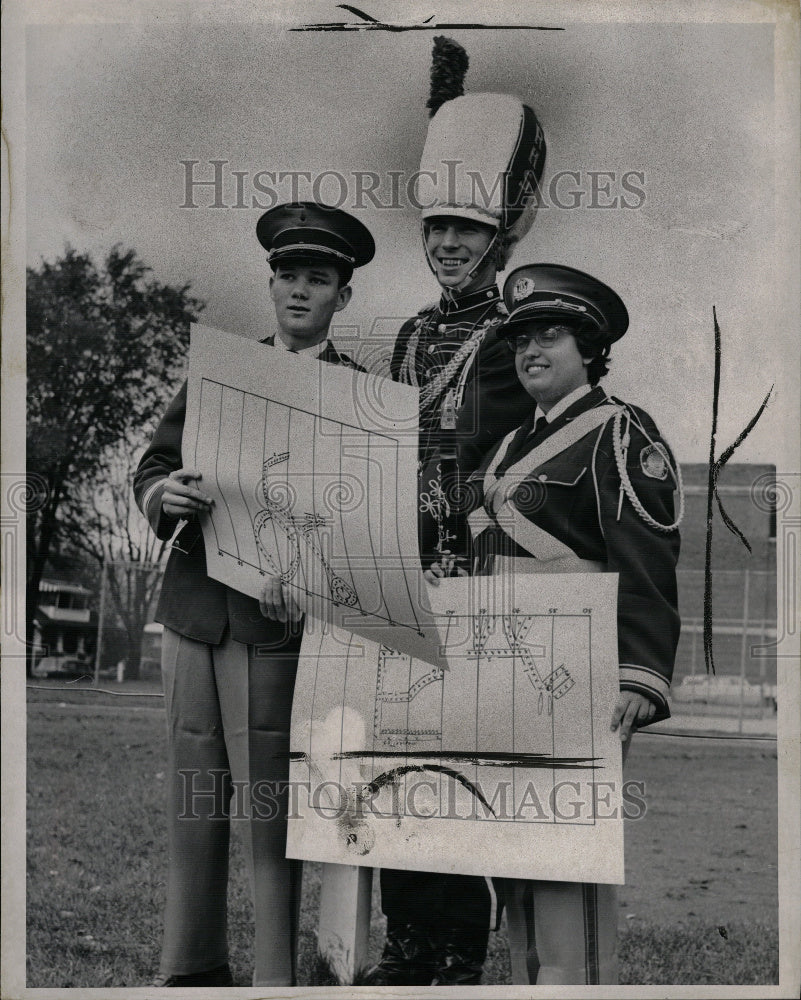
(442, 712)
(315, 593)
(592, 731)
(305, 546)
(549, 696)
(307, 572)
(314, 696)
(299, 409)
(382, 598)
(407, 743)
(344, 704)
(400, 548)
(265, 480)
(376, 723)
(478, 692)
(301, 560)
(217, 476)
(514, 719)
(342, 530)
(239, 461)
(197, 445)
(261, 567)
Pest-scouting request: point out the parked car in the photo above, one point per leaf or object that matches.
(61, 666)
(717, 691)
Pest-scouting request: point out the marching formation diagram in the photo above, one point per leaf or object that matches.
(517, 683)
(515, 628)
(276, 524)
(301, 484)
(408, 702)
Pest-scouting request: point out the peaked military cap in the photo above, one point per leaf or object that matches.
(306, 231)
(553, 291)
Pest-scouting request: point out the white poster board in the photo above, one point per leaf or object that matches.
(313, 471)
(503, 764)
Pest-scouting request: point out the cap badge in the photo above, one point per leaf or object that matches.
(522, 289)
(654, 461)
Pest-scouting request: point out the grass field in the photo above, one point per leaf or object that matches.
(699, 905)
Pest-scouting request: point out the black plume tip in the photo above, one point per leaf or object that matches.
(449, 63)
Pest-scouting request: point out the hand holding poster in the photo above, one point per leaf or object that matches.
(312, 469)
(399, 764)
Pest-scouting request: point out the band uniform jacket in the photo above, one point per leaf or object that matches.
(451, 347)
(191, 602)
(575, 496)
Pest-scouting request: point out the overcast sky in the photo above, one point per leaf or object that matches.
(113, 109)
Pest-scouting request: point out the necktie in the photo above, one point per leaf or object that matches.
(521, 444)
(539, 429)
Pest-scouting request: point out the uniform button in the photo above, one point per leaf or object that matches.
(442, 328)
(490, 294)
(542, 476)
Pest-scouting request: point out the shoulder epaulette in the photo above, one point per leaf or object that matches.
(429, 308)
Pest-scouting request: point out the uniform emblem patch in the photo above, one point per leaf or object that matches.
(523, 288)
(654, 461)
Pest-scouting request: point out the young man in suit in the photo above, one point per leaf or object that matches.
(228, 671)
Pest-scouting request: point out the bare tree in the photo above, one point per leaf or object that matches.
(102, 521)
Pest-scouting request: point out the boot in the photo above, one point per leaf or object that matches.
(221, 976)
(408, 958)
(461, 952)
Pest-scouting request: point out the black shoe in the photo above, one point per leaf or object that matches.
(408, 958)
(221, 976)
(460, 956)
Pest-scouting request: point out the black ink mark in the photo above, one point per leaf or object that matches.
(390, 777)
(370, 23)
(489, 758)
(715, 468)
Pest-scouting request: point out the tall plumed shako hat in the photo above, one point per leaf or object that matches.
(484, 154)
(310, 232)
(553, 291)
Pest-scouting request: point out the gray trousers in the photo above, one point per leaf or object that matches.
(228, 718)
(570, 929)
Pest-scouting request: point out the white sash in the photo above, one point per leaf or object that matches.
(498, 492)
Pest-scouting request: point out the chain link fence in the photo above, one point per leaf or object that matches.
(743, 635)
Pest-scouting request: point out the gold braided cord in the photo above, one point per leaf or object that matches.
(675, 471)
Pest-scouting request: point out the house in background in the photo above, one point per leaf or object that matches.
(64, 625)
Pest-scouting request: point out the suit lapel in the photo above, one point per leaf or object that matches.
(330, 354)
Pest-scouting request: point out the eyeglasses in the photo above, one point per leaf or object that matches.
(543, 338)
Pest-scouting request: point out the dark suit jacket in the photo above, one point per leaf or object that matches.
(191, 603)
(575, 497)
